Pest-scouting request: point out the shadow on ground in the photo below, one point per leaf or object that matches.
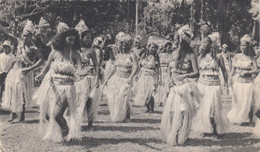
(95, 142)
(116, 128)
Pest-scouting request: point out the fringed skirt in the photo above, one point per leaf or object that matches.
(163, 89)
(145, 89)
(178, 112)
(117, 92)
(85, 90)
(210, 108)
(18, 90)
(42, 98)
(242, 100)
(50, 129)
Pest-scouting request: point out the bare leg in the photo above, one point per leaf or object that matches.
(59, 110)
(90, 111)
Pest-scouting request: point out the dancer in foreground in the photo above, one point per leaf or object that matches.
(184, 96)
(210, 119)
(61, 92)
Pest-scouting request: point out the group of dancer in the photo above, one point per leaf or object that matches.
(75, 78)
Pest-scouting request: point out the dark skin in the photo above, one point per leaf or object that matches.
(95, 55)
(244, 47)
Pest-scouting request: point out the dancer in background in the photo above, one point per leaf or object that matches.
(20, 80)
(183, 97)
(165, 58)
(210, 119)
(243, 67)
(87, 105)
(149, 77)
(137, 49)
(227, 58)
(7, 60)
(61, 93)
(118, 82)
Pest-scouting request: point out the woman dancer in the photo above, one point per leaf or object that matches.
(61, 92)
(210, 119)
(256, 83)
(138, 50)
(244, 66)
(87, 105)
(149, 78)
(183, 95)
(20, 80)
(118, 83)
(165, 58)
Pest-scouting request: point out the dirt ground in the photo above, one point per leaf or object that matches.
(142, 134)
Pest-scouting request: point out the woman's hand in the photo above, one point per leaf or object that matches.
(242, 74)
(181, 77)
(96, 83)
(39, 77)
(26, 71)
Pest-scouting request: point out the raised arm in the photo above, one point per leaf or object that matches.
(11, 36)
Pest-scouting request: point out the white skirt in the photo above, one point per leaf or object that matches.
(210, 107)
(145, 89)
(84, 89)
(178, 112)
(117, 92)
(18, 90)
(242, 100)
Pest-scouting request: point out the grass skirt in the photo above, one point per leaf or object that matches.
(145, 89)
(85, 89)
(163, 89)
(18, 90)
(210, 107)
(117, 92)
(47, 96)
(242, 101)
(178, 112)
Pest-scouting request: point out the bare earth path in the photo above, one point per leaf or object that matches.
(142, 134)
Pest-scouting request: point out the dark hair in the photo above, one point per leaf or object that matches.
(250, 50)
(184, 49)
(60, 40)
(208, 49)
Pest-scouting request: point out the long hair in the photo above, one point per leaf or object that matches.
(184, 49)
(155, 54)
(60, 40)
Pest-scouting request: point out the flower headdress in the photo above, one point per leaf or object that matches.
(81, 27)
(62, 27)
(246, 38)
(186, 31)
(28, 28)
(216, 41)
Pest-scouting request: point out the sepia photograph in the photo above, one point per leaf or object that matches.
(129, 76)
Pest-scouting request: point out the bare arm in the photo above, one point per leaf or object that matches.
(11, 36)
(135, 66)
(40, 61)
(222, 67)
(195, 68)
(94, 55)
(46, 67)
